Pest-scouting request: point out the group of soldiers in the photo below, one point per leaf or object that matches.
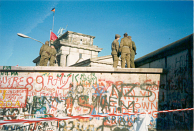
(127, 50)
(47, 53)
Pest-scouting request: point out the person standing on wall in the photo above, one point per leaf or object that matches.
(133, 53)
(44, 54)
(125, 49)
(115, 50)
(53, 54)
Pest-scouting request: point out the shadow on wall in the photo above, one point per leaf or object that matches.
(176, 87)
(176, 92)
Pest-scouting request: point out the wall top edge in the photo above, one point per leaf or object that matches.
(82, 69)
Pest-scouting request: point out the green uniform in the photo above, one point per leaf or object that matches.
(114, 53)
(53, 55)
(125, 48)
(133, 52)
(44, 55)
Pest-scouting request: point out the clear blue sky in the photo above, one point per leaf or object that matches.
(152, 24)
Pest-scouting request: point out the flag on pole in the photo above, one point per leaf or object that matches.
(53, 10)
(53, 36)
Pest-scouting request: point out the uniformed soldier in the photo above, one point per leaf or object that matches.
(115, 50)
(133, 53)
(53, 54)
(125, 49)
(44, 54)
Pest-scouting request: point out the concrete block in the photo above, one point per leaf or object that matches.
(79, 91)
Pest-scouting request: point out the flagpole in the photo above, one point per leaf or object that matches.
(52, 35)
(50, 38)
(53, 20)
(53, 24)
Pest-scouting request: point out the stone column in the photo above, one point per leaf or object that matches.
(63, 60)
(64, 53)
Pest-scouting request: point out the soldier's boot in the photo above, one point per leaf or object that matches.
(128, 60)
(122, 63)
(115, 61)
(132, 61)
(123, 60)
(52, 63)
(46, 61)
(132, 64)
(41, 61)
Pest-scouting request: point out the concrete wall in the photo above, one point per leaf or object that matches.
(176, 91)
(33, 92)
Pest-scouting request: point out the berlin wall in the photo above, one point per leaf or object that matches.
(176, 86)
(45, 92)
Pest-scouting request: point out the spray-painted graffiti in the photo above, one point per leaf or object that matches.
(7, 71)
(13, 98)
(176, 93)
(78, 94)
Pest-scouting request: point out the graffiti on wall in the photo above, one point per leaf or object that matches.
(13, 98)
(41, 95)
(176, 94)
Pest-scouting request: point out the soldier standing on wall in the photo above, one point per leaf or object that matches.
(53, 54)
(115, 50)
(133, 53)
(44, 54)
(125, 49)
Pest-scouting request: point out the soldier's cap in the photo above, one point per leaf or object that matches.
(117, 35)
(126, 33)
(47, 42)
